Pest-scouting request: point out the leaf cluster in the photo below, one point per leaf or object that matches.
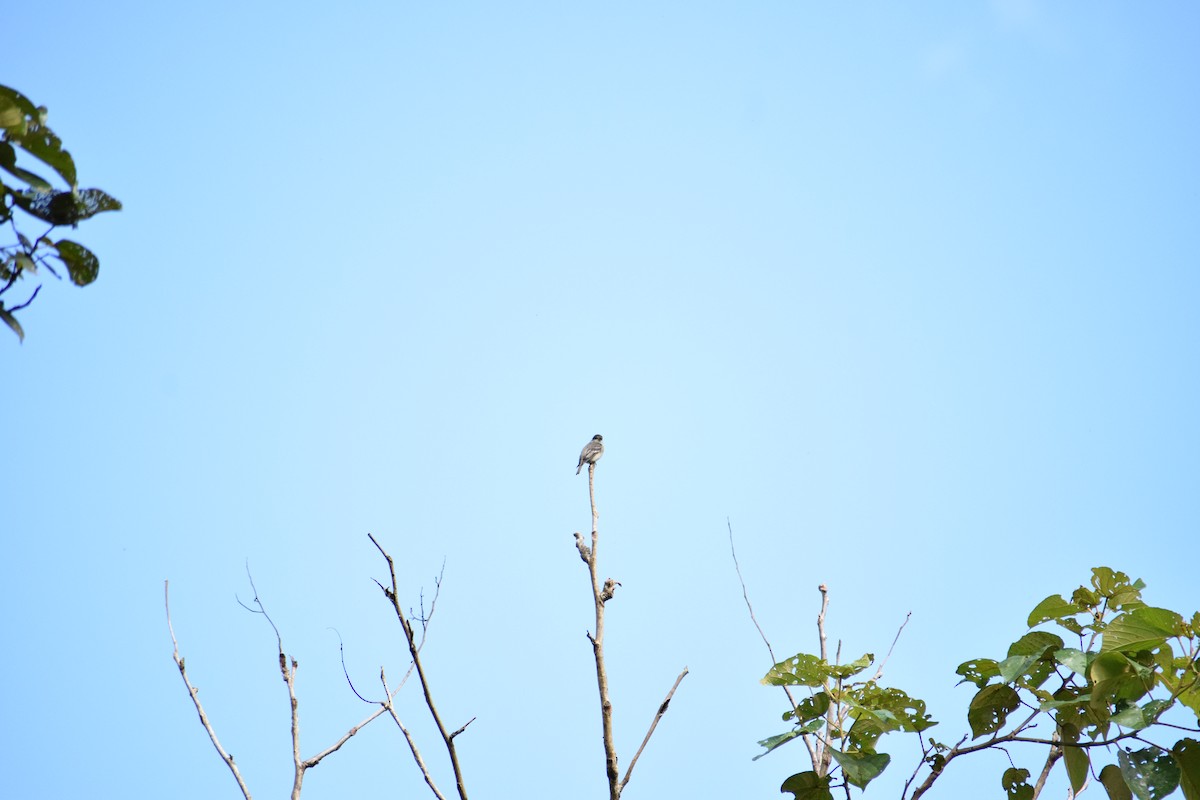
(1122, 666)
(24, 135)
(1145, 663)
(848, 716)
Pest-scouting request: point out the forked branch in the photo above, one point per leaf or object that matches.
(601, 594)
(414, 650)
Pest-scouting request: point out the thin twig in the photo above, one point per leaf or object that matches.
(193, 693)
(770, 650)
(414, 653)
(882, 664)
(289, 679)
(27, 302)
(662, 709)
(821, 764)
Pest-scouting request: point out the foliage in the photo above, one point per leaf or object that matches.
(1146, 663)
(24, 133)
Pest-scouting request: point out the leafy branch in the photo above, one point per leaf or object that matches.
(25, 135)
(1145, 666)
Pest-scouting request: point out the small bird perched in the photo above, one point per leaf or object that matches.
(591, 452)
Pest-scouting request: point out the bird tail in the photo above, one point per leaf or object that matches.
(579, 468)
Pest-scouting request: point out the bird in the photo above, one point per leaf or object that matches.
(591, 452)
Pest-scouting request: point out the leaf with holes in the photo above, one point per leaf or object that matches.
(990, 709)
(978, 671)
(1015, 783)
(802, 669)
(1143, 628)
(1035, 643)
(1072, 659)
(1150, 773)
(1187, 756)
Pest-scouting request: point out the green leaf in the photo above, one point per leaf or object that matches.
(1130, 717)
(81, 263)
(1015, 666)
(11, 322)
(1053, 607)
(1115, 678)
(41, 142)
(853, 668)
(861, 768)
(807, 786)
(813, 707)
(990, 709)
(65, 208)
(1114, 783)
(1187, 756)
(8, 162)
(1015, 784)
(978, 671)
(1085, 598)
(1105, 580)
(1155, 708)
(1143, 628)
(1035, 643)
(892, 709)
(11, 98)
(1078, 762)
(1072, 659)
(93, 201)
(1150, 773)
(771, 742)
(11, 116)
(1107, 666)
(1191, 699)
(802, 669)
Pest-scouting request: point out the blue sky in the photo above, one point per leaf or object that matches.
(906, 294)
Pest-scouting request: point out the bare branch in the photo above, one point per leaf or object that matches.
(412, 745)
(414, 653)
(1051, 759)
(463, 728)
(770, 650)
(821, 763)
(193, 693)
(333, 748)
(882, 664)
(824, 590)
(27, 302)
(599, 597)
(662, 709)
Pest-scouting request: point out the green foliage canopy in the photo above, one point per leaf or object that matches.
(1128, 663)
(24, 135)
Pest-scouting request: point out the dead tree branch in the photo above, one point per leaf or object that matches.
(193, 692)
(390, 707)
(600, 596)
(414, 652)
(770, 650)
(662, 709)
